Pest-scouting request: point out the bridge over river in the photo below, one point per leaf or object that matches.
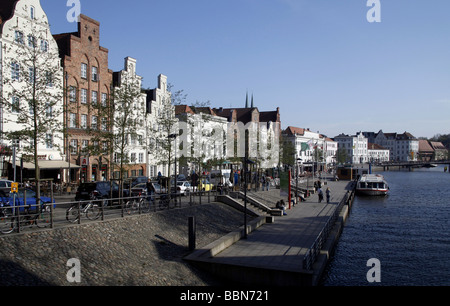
(414, 164)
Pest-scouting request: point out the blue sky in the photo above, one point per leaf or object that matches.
(320, 61)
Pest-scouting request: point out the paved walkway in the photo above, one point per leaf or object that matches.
(283, 244)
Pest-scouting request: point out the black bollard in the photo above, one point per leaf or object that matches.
(192, 233)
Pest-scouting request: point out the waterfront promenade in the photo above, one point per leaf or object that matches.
(274, 253)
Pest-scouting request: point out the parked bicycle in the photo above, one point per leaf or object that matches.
(14, 217)
(164, 201)
(137, 204)
(92, 209)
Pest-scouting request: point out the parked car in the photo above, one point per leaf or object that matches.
(184, 187)
(158, 189)
(5, 186)
(205, 185)
(8, 199)
(102, 190)
(134, 181)
(140, 190)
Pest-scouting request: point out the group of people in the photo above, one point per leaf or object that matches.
(318, 189)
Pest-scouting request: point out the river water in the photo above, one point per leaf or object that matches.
(408, 231)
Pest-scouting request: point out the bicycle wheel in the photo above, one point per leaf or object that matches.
(145, 205)
(93, 212)
(7, 221)
(43, 220)
(72, 214)
(132, 207)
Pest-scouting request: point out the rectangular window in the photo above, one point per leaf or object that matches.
(74, 146)
(94, 97)
(104, 123)
(94, 74)
(84, 96)
(84, 70)
(18, 38)
(15, 105)
(104, 99)
(31, 41)
(105, 146)
(133, 157)
(49, 110)
(49, 79)
(141, 158)
(73, 120)
(44, 45)
(84, 121)
(72, 94)
(49, 141)
(94, 122)
(15, 71)
(84, 146)
(31, 75)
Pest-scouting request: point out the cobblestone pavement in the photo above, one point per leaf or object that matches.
(141, 250)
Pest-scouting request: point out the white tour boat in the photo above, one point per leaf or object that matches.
(372, 185)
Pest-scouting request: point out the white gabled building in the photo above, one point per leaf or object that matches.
(204, 135)
(136, 144)
(355, 146)
(306, 142)
(159, 106)
(25, 38)
(377, 154)
(402, 147)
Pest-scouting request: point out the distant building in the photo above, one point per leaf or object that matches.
(264, 133)
(426, 152)
(377, 153)
(354, 146)
(402, 147)
(440, 151)
(307, 142)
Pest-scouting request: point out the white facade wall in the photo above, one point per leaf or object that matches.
(159, 102)
(378, 156)
(136, 148)
(356, 147)
(30, 22)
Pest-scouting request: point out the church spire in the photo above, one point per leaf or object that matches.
(252, 102)
(246, 101)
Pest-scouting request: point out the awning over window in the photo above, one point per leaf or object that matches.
(49, 165)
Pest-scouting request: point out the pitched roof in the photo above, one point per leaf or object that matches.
(424, 146)
(183, 109)
(374, 146)
(437, 145)
(294, 131)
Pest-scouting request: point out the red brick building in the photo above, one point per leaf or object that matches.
(88, 82)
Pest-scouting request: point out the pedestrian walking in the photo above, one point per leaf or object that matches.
(328, 194)
(320, 195)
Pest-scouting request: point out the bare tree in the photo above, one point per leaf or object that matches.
(32, 100)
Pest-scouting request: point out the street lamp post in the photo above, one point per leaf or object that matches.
(296, 178)
(173, 136)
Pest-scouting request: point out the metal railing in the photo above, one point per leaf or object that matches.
(313, 252)
(21, 218)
